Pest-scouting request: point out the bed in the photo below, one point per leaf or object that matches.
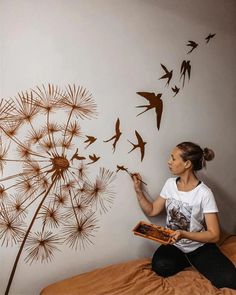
(135, 277)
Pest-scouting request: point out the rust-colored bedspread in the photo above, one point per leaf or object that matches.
(136, 278)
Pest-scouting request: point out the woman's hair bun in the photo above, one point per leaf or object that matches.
(208, 154)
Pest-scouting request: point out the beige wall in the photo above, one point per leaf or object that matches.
(114, 49)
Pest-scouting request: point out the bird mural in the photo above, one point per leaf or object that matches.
(193, 45)
(185, 70)
(168, 75)
(175, 90)
(93, 159)
(155, 102)
(45, 153)
(77, 157)
(90, 140)
(121, 168)
(117, 135)
(209, 37)
(140, 144)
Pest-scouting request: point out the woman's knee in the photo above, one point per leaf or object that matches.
(163, 267)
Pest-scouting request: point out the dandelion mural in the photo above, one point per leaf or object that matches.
(39, 135)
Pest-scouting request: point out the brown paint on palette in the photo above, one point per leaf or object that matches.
(153, 232)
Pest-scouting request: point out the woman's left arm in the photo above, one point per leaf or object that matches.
(211, 235)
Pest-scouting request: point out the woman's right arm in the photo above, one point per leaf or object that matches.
(149, 208)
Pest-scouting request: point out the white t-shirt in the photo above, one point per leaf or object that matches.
(185, 210)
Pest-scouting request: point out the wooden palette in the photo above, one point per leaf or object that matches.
(153, 232)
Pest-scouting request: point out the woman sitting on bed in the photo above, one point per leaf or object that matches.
(192, 212)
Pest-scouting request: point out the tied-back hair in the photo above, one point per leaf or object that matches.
(194, 153)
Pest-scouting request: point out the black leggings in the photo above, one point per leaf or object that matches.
(207, 259)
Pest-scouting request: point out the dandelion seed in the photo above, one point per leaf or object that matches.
(6, 109)
(73, 130)
(24, 151)
(47, 99)
(79, 233)
(25, 109)
(51, 216)
(11, 228)
(3, 193)
(25, 185)
(78, 208)
(41, 247)
(81, 171)
(15, 206)
(69, 185)
(61, 199)
(35, 136)
(65, 144)
(99, 194)
(46, 144)
(3, 154)
(79, 102)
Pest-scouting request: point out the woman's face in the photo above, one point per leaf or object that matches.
(176, 164)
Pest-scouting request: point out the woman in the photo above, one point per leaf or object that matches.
(192, 213)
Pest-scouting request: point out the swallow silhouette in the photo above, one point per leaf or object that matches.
(90, 140)
(168, 75)
(193, 45)
(185, 70)
(94, 159)
(117, 135)
(210, 36)
(121, 168)
(175, 90)
(140, 145)
(155, 102)
(77, 157)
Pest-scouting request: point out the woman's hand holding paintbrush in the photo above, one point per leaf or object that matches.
(137, 179)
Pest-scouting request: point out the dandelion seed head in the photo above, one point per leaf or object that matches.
(41, 247)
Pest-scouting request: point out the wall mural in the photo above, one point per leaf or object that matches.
(50, 199)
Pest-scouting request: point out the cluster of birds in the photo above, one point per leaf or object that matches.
(154, 103)
(154, 100)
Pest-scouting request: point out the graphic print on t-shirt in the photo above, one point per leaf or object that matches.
(178, 215)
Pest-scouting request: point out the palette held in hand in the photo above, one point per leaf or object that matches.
(154, 232)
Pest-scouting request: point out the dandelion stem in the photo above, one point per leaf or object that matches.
(25, 238)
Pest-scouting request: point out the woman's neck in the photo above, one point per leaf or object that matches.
(187, 181)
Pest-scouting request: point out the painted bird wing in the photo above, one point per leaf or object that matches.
(141, 144)
(148, 95)
(159, 110)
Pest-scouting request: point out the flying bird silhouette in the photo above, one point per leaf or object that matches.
(155, 102)
(117, 135)
(185, 70)
(210, 36)
(193, 45)
(175, 90)
(90, 140)
(121, 168)
(77, 157)
(168, 75)
(140, 145)
(94, 159)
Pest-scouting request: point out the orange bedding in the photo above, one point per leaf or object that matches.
(136, 278)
